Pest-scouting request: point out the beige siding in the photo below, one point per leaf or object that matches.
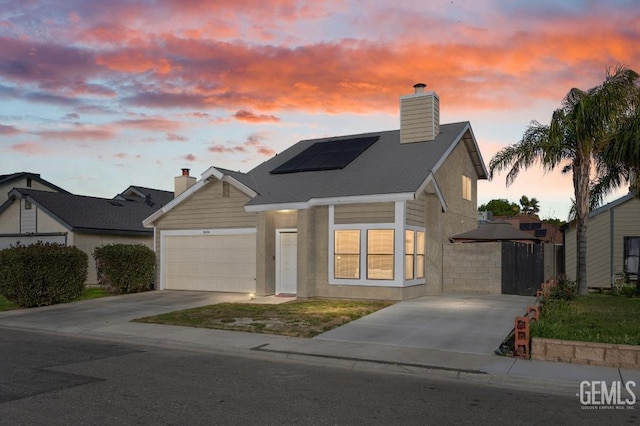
(598, 251)
(48, 224)
(627, 224)
(10, 219)
(21, 183)
(419, 118)
(364, 213)
(416, 211)
(207, 209)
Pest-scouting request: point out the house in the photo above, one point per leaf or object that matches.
(613, 242)
(531, 224)
(358, 216)
(25, 180)
(32, 215)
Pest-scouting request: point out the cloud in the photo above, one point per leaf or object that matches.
(30, 148)
(152, 124)
(79, 133)
(190, 157)
(253, 144)
(250, 117)
(121, 155)
(172, 137)
(8, 130)
(71, 116)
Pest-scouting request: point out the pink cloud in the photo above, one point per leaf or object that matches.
(8, 130)
(250, 117)
(172, 137)
(120, 155)
(252, 144)
(190, 157)
(29, 148)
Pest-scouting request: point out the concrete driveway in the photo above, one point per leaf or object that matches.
(460, 323)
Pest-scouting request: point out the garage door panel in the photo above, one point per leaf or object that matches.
(210, 262)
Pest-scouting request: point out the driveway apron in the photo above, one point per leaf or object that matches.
(474, 324)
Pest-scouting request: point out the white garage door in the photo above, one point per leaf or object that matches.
(210, 262)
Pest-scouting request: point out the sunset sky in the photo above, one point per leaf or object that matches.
(99, 95)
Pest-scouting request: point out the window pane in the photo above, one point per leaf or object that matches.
(409, 242)
(380, 267)
(419, 266)
(408, 267)
(380, 241)
(420, 242)
(347, 241)
(347, 266)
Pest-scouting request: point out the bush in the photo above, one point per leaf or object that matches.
(564, 290)
(125, 268)
(42, 274)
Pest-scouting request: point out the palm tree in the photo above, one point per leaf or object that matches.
(585, 123)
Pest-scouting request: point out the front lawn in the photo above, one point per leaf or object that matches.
(298, 318)
(603, 318)
(88, 293)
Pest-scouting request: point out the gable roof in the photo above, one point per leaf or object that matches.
(612, 204)
(387, 167)
(154, 197)
(8, 178)
(80, 213)
(386, 171)
(495, 231)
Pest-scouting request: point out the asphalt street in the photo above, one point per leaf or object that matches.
(66, 380)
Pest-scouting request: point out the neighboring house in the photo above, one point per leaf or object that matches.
(153, 197)
(31, 215)
(613, 242)
(25, 180)
(495, 231)
(531, 224)
(359, 216)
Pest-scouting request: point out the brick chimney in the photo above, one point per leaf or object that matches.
(183, 182)
(419, 115)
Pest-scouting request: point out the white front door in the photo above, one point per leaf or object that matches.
(287, 279)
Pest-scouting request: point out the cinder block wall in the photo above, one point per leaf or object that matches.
(472, 268)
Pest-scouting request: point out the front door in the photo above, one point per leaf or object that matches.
(287, 279)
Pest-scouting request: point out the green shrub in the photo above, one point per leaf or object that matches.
(42, 274)
(125, 268)
(564, 290)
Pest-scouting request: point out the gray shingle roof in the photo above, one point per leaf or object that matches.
(386, 167)
(35, 176)
(91, 214)
(495, 231)
(157, 197)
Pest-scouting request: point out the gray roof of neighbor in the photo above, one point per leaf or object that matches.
(155, 197)
(18, 175)
(495, 231)
(386, 167)
(91, 214)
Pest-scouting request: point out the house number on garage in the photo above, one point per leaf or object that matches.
(206, 232)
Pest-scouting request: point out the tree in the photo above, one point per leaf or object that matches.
(500, 207)
(529, 206)
(586, 123)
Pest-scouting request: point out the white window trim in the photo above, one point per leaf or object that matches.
(422, 280)
(398, 226)
(186, 232)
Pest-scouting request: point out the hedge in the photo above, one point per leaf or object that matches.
(42, 274)
(125, 268)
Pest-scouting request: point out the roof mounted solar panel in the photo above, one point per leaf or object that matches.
(332, 155)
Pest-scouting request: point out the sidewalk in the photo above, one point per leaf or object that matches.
(87, 319)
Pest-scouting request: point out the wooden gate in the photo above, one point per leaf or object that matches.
(522, 268)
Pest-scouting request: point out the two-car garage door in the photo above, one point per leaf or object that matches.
(207, 261)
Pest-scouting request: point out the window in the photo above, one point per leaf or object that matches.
(409, 254)
(347, 254)
(28, 182)
(380, 254)
(631, 254)
(27, 205)
(466, 187)
(420, 247)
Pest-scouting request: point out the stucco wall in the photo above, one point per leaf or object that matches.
(472, 268)
(88, 242)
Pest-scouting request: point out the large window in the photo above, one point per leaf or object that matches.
(380, 254)
(631, 254)
(347, 254)
(413, 254)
